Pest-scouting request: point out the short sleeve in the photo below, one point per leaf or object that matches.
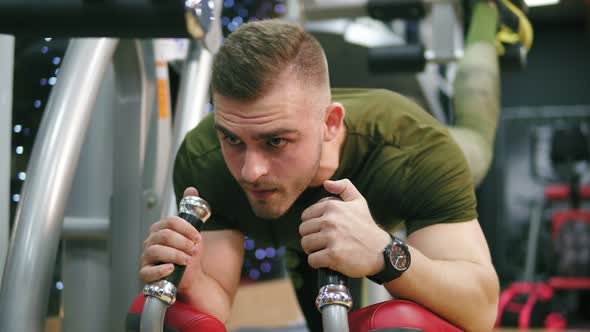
(438, 185)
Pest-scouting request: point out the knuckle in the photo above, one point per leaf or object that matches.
(146, 257)
(180, 258)
(304, 244)
(164, 271)
(332, 254)
(166, 235)
(154, 227)
(312, 261)
(330, 204)
(150, 253)
(169, 222)
(328, 222)
(146, 275)
(330, 238)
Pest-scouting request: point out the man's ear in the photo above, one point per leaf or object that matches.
(333, 120)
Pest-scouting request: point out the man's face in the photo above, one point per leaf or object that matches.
(272, 146)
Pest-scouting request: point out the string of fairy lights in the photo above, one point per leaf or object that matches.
(27, 113)
(260, 263)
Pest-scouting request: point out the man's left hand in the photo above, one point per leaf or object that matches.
(340, 234)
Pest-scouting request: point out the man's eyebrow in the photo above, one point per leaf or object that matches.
(225, 131)
(261, 136)
(275, 133)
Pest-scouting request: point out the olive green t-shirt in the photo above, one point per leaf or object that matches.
(400, 158)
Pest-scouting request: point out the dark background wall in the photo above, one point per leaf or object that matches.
(558, 69)
(555, 83)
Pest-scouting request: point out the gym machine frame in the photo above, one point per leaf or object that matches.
(56, 154)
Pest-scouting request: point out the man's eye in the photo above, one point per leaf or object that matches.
(277, 142)
(232, 140)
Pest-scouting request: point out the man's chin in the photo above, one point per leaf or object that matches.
(267, 210)
(266, 214)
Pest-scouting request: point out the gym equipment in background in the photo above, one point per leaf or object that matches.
(414, 57)
(550, 298)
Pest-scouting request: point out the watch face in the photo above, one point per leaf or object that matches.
(398, 257)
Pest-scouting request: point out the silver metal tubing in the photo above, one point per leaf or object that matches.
(535, 223)
(85, 255)
(163, 290)
(193, 97)
(6, 74)
(31, 259)
(135, 92)
(432, 57)
(86, 228)
(335, 318)
(334, 301)
(155, 309)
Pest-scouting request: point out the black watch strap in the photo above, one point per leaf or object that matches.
(389, 272)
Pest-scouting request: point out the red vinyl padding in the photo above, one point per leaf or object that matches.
(397, 313)
(182, 317)
(389, 314)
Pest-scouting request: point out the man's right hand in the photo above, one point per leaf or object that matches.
(172, 240)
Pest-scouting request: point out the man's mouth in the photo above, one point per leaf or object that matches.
(261, 193)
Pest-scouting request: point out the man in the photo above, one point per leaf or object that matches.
(280, 140)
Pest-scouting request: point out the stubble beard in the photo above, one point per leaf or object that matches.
(282, 200)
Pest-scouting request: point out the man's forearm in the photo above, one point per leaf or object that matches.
(207, 295)
(463, 292)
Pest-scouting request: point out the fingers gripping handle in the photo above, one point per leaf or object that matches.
(332, 285)
(196, 211)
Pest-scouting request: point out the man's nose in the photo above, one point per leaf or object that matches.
(255, 166)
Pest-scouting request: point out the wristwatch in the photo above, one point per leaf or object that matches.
(397, 260)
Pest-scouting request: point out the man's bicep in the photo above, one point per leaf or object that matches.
(223, 254)
(452, 241)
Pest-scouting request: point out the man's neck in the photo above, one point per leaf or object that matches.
(330, 158)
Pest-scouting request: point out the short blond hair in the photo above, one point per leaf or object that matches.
(258, 52)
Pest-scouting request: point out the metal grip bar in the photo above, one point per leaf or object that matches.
(333, 289)
(327, 276)
(162, 293)
(196, 211)
(176, 275)
(334, 300)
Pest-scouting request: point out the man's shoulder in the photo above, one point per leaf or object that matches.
(199, 161)
(369, 96)
(201, 141)
(385, 115)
